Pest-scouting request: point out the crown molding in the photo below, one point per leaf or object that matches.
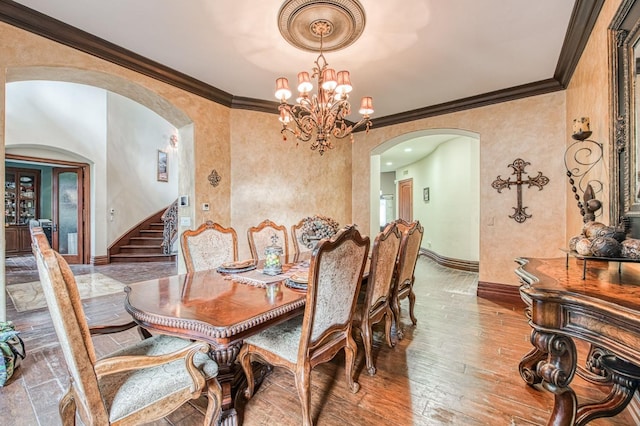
(512, 93)
(583, 19)
(35, 22)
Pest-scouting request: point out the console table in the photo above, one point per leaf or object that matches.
(603, 309)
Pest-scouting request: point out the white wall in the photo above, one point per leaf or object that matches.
(451, 216)
(134, 137)
(62, 121)
(75, 122)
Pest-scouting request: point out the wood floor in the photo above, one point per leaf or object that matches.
(458, 366)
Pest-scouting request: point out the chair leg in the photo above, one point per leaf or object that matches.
(412, 303)
(303, 385)
(366, 334)
(395, 307)
(67, 409)
(214, 402)
(244, 358)
(388, 319)
(350, 362)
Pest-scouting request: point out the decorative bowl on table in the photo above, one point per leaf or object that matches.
(297, 281)
(237, 266)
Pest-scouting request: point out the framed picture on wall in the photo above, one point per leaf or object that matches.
(163, 175)
(425, 193)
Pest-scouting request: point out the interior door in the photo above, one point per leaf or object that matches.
(67, 206)
(405, 199)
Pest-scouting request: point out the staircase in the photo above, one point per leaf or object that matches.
(143, 243)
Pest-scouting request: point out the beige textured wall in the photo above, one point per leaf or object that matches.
(532, 129)
(267, 175)
(203, 124)
(588, 95)
(277, 180)
(211, 131)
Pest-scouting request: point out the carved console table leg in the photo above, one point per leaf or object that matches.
(557, 373)
(625, 378)
(528, 364)
(593, 371)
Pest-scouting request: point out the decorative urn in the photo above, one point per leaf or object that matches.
(272, 265)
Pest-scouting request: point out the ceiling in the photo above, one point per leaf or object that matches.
(412, 53)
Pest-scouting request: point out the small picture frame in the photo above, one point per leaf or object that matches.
(425, 194)
(163, 175)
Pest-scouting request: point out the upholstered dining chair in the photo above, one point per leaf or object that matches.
(405, 268)
(298, 345)
(259, 238)
(298, 247)
(330, 227)
(376, 305)
(137, 384)
(209, 246)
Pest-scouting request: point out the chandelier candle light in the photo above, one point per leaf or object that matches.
(323, 113)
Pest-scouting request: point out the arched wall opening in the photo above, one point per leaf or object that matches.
(125, 89)
(449, 174)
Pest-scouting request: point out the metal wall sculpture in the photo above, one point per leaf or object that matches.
(580, 158)
(518, 166)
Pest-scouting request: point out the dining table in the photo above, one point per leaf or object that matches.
(221, 307)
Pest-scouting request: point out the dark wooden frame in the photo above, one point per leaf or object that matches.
(86, 185)
(262, 225)
(624, 33)
(163, 157)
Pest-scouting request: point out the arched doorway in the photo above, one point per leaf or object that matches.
(119, 87)
(442, 166)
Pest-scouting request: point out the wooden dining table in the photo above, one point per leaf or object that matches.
(216, 308)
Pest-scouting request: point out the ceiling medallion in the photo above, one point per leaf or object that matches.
(296, 19)
(322, 114)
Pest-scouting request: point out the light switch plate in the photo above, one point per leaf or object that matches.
(185, 221)
(205, 207)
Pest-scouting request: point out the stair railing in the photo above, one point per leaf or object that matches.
(170, 231)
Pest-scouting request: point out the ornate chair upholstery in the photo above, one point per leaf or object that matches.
(209, 246)
(405, 267)
(137, 384)
(306, 233)
(260, 237)
(300, 344)
(376, 305)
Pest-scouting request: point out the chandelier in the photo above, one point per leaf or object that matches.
(323, 114)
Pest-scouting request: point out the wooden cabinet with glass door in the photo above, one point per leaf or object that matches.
(21, 196)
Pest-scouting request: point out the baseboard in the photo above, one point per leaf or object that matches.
(463, 265)
(501, 292)
(100, 260)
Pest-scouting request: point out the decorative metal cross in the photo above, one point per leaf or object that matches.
(520, 214)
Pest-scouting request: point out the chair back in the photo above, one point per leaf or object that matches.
(408, 255)
(335, 274)
(298, 247)
(259, 238)
(303, 241)
(65, 306)
(209, 246)
(383, 260)
(403, 225)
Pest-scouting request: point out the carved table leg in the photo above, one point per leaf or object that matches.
(593, 371)
(226, 363)
(528, 364)
(557, 373)
(625, 378)
(233, 382)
